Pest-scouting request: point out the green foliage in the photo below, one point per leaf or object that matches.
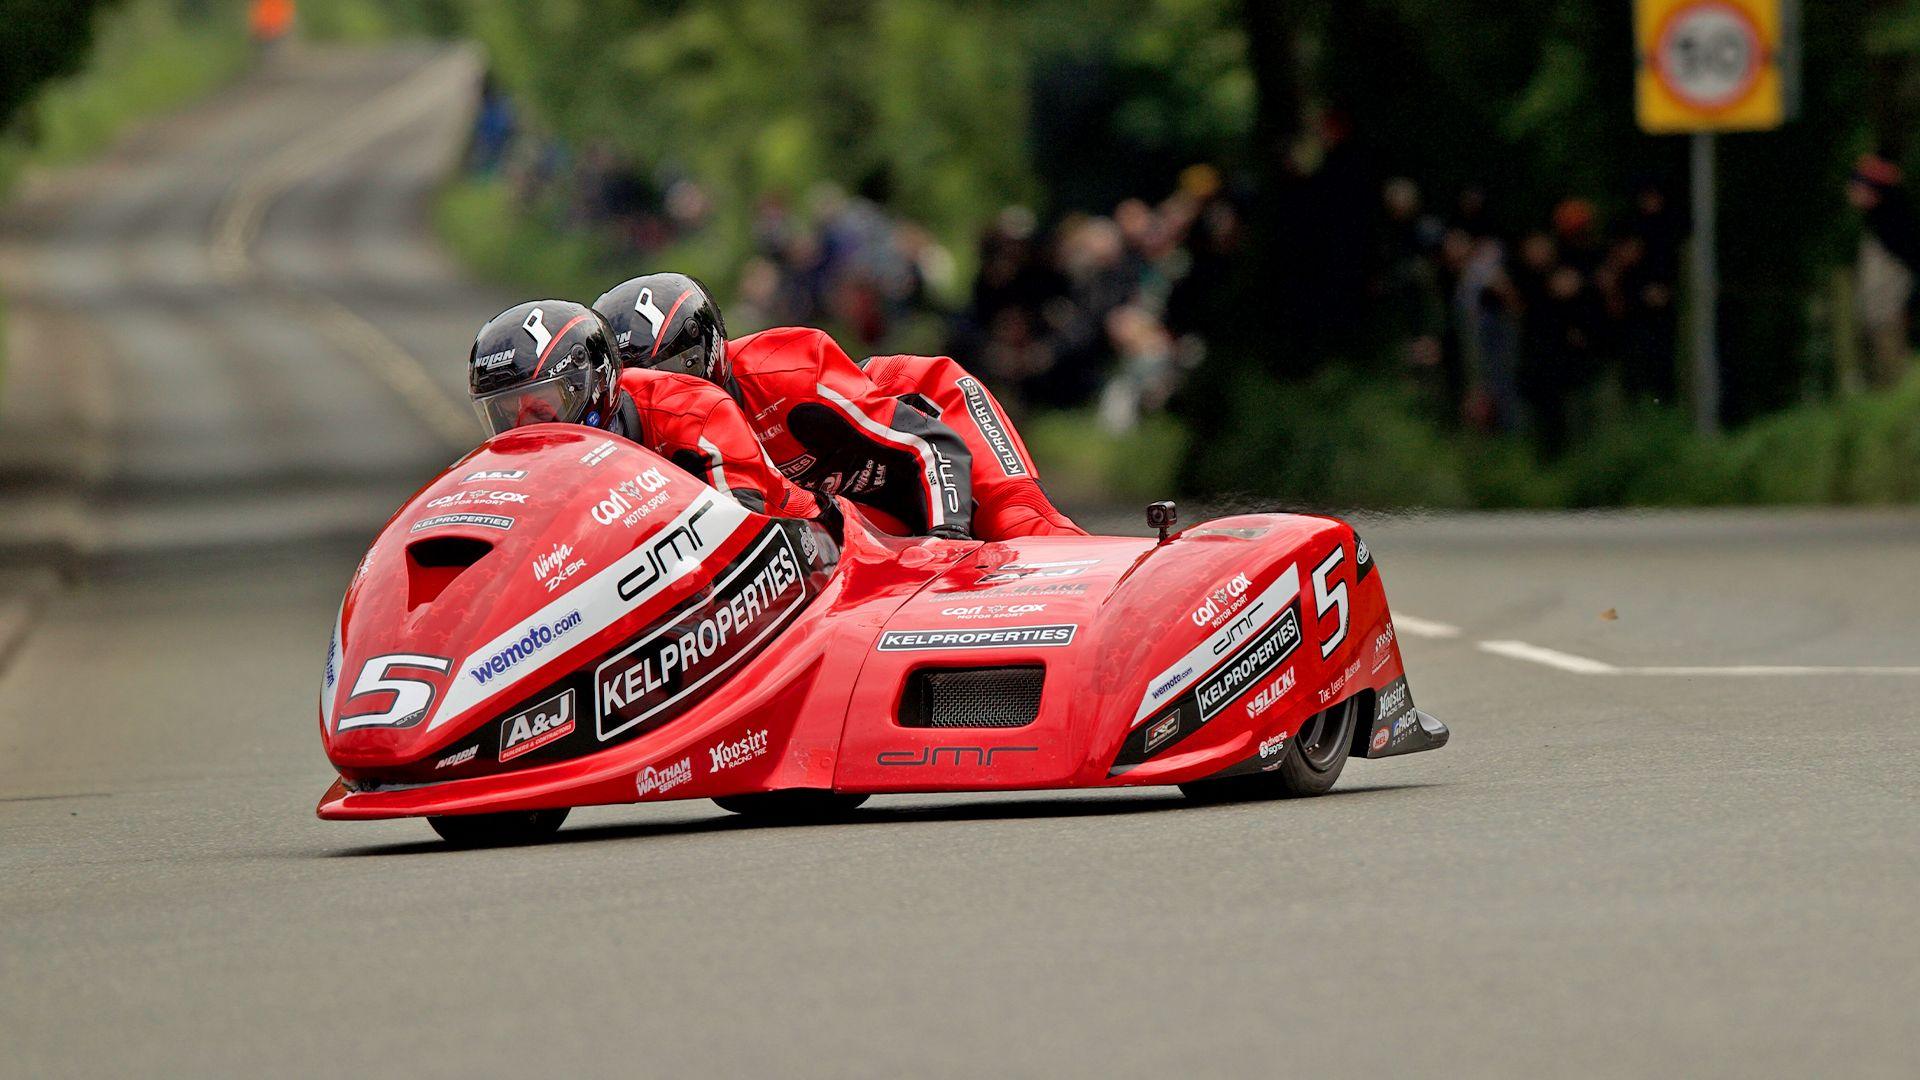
(757, 97)
(41, 40)
(377, 20)
(1343, 441)
(478, 220)
(149, 56)
(1083, 463)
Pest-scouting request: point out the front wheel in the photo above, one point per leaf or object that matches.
(800, 805)
(1312, 764)
(498, 830)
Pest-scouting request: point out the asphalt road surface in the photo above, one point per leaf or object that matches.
(1682, 840)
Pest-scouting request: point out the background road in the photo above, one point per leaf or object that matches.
(1609, 872)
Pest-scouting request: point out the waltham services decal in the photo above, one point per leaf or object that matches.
(1251, 621)
(600, 601)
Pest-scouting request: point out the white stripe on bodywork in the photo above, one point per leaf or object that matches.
(1189, 669)
(914, 444)
(598, 601)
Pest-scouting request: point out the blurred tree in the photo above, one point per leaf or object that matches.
(41, 40)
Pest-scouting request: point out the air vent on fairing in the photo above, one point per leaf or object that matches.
(996, 697)
(434, 562)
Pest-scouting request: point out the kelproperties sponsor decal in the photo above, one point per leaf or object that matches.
(525, 732)
(1263, 654)
(996, 637)
(980, 409)
(702, 642)
(485, 521)
(1241, 624)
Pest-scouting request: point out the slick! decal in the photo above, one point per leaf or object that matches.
(1265, 653)
(998, 637)
(485, 521)
(756, 598)
(991, 429)
(525, 732)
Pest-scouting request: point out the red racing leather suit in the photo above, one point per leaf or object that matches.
(1007, 497)
(694, 424)
(831, 431)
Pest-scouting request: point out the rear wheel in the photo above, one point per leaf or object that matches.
(498, 830)
(1311, 766)
(797, 805)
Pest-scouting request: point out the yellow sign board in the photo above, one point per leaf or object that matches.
(1712, 65)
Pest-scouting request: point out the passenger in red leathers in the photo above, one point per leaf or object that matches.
(1007, 497)
(555, 361)
(695, 425)
(914, 448)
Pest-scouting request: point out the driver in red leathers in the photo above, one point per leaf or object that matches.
(552, 360)
(915, 437)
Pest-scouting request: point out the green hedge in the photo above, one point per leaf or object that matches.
(1345, 441)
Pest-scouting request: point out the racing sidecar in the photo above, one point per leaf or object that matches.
(564, 619)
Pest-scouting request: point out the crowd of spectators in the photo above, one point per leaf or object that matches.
(1515, 333)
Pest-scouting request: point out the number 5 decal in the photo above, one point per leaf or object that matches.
(411, 697)
(1325, 597)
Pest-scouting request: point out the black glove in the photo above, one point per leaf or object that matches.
(949, 532)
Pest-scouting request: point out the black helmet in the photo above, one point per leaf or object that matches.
(667, 321)
(546, 360)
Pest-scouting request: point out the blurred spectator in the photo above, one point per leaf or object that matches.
(1889, 253)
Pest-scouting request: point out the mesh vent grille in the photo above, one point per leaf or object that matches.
(1001, 697)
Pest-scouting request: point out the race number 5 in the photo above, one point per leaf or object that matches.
(411, 697)
(1325, 597)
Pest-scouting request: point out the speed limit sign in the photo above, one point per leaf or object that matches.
(1712, 65)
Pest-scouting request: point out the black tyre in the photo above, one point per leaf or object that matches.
(798, 805)
(1311, 766)
(498, 830)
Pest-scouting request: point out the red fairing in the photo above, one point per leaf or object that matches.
(561, 619)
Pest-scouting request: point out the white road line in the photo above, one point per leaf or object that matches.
(1581, 665)
(1427, 628)
(1520, 650)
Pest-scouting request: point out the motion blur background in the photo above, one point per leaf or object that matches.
(1382, 253)
(1413, 261)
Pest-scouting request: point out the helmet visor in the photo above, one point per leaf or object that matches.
(562, 399)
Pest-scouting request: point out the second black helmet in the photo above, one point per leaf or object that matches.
(667, 321)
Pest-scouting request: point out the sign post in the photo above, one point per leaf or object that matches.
(1707, 66)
